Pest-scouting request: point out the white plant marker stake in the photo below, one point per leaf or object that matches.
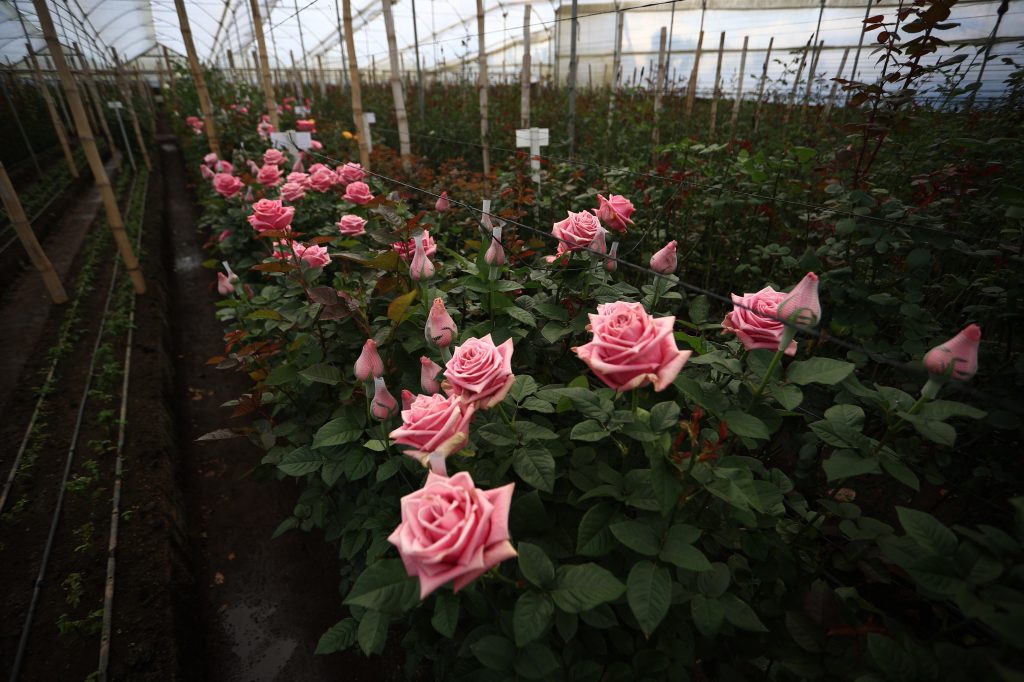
(368, 118)
(534, 138)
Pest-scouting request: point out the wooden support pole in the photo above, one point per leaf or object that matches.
(713, 116)
(269, 101)
(482, 85)
(231, 65)
(811, 72)
(739, 89)
(835, 87)
(59, 96)
(297, 86)
(342, 43)
(658, 90)
(357, 92)
(761, 84)
(691, 88)
(97, 102)
(573, 30)
(27, 237)
(860, 43)
(791, 101)
(126, 95)
(322, 80)
(197, 73)
(616, 69)
(58, 125)
(524, 77)
(397, 91)
(302, 48)
(85, 137)
(419, 70)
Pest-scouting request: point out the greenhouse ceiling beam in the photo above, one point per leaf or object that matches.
(564, 10)
(220, 25)
(330, 41)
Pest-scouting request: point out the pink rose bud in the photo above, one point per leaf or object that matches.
(434, 425)
(440, 329)
(248, 195)
(631, 348)
(206, 172)
(292, 192)
(358, 193)
(210, 159)
(600, 245)
(801, 305)
(351, 226)
(577, 231)
(480, 372)
(452, 530)
(224, 286)
(495, 252)
(253, 168)
(223, 235)
(273, 157)
(429, 371)
(756, 330)
(297, 166)
(227, 185)
(383, 404)
(315, 144)
(956, 358)
(369, 363)
(407, 398)
(611, 264)
(665, 261)
(269, 176)
(615, 212)
(442, 204)
(421, 267)
(223, 167)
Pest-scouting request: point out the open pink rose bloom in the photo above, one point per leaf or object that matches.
(480, 372)
(453, 531)
(758, 331)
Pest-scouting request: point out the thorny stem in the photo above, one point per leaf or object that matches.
(776, 359)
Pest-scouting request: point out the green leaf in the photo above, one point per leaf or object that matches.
(927, 531)
(932, 429)
(537, 662)
(679, 550)
(594, 537)
(536, 466)
(699, 309)
(340, 637)
(400, 305)
(746, 425)
(264, 314)
(524, 385)
(901, 472)
(553, 331)
(664, 416)
(638, 536)
(894, 662)
(649, 594)
(373, 632)
(494, 652)
(589, 430)
(520, 315)
(803, 631)
(846, 464)
(535, 564)
(531, 617)
(323, 373)
(497, 434)
(337, 432)
(446, 613)
(385, 586)
(301, 461)
(581, 588)
(739, 613)
(788, 395)
(715, 582)
(708, 615)
(942, 410)
(818, 371)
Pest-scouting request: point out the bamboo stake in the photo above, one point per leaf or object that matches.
(791, 101)
(397, 91)
(231, 66)
(483, 93)
(197, 74)
(323, 81)
(60, 97)
(297, 85)
(127, 96)
(170, 79)
(860, 43)
(302, 46)
(810, 83)
(419, 71)
(717, 90)
(524, 78)
(89, 146)
(341, 42)
(760, 87)
(27, 237)
(21, 129)
(357, 92)
(691, 88)
(658, 89)
(269, 101)
(51, 108)
(739, 89)
(97, 103)
(835, 87)
(616, 69)
(572, 79)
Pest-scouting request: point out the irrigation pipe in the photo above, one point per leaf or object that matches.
(72, 446)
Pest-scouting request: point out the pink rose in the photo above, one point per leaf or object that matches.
(577, 231)
(223, 235)
(615, 212)
(227, 185)
(292, 192)
(801, 305)
(206, 172)
(429, 371)
(297, 166)
(307, 125)
(210, 159)
(631, 348)
(319, 166)
(452, 530)
(264, 129)
(358, 193)
(269, 176)
(274, 157)
(350, 172)
(383, 404)
(224, 285)
(314, 255)
(480, 372)
(351, 225)
(753, 330)
(665, 261)
(406, 250)
(316, 144)
(434, 424)
(270, 214)
(407, 398)
(442, 204)
(322, 180)
(495, 255)
(299, 178)
(369, 363)
(958, 357)
(600, 243)
(440, 329)
(223, 167)
(253, 168)
(420, 267)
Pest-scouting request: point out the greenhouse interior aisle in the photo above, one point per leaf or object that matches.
(264, 603)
